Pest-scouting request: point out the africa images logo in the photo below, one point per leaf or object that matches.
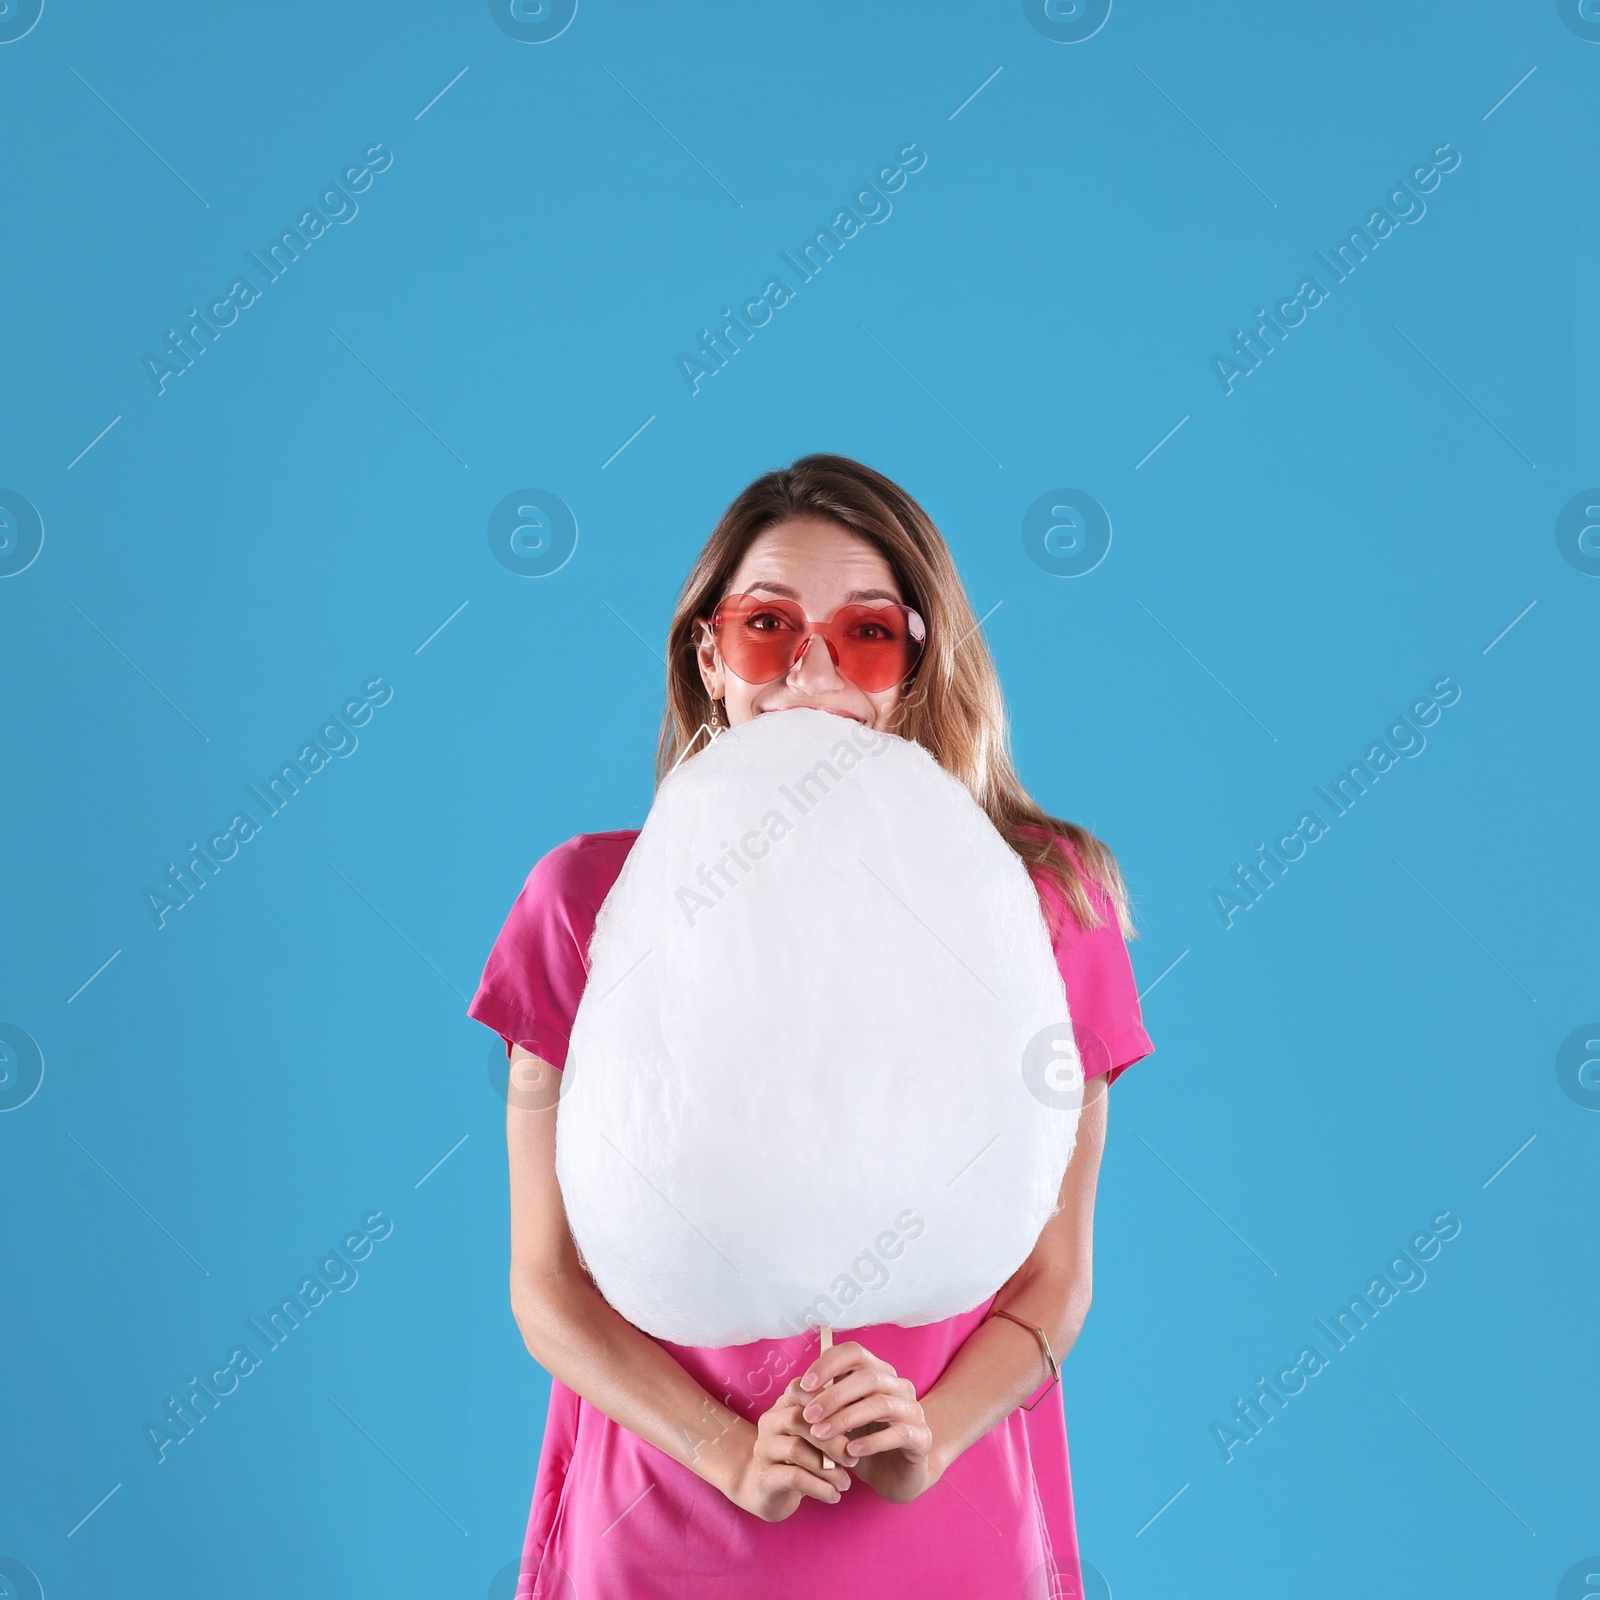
(869, 204)
(335, 203)
(336, 738)
(1402, 204)
(808, 790)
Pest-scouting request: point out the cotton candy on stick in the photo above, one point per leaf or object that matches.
(823, 1071)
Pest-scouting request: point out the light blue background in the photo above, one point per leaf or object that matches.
(1361, 1050)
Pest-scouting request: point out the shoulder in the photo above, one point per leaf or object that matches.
(583, 868)
(1063, 923)
(536, 971)
(562, 895)
(1094, 886)
(1097, 971)
(583, 854)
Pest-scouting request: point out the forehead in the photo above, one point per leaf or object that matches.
(814, 556)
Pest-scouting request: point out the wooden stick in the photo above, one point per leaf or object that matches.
(825, 1333)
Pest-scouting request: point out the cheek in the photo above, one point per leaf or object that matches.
(886, 708)
(739, 700)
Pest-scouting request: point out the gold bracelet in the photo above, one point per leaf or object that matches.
(1044, 1345)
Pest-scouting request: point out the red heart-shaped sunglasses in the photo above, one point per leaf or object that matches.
(761, 638)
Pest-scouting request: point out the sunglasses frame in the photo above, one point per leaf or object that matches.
(916, 630)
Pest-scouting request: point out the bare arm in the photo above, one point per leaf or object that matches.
(1001, 1365)
(998, 1367)
(573, 1333)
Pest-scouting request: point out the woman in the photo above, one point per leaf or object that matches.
(668, 1471)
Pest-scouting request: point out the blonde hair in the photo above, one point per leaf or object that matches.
(954, 707)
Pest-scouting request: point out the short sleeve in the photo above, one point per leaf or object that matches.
(536, 972)
(1101, 993)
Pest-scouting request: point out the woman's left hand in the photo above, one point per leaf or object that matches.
(895, 1454)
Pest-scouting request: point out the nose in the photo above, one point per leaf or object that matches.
(815, 671)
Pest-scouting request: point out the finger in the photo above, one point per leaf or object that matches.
(833, 1448)
(801, 1453)
(918, 1440)
(846, 1391)
(784, 1421)
(787, 1417)
(893, 1408)
(807, 1483)
(835, 1363)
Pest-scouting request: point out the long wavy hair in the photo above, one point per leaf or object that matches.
(954, 706)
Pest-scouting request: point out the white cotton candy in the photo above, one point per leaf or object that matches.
(823, 1070)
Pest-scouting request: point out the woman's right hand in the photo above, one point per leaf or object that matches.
(777, 1464)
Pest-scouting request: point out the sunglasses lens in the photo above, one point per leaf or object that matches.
(878, 645)
(758, 638)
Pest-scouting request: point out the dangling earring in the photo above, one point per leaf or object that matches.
(716, 721)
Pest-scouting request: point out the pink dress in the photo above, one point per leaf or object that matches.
(615, 1518)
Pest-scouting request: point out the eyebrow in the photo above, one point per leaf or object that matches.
(787, 593)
